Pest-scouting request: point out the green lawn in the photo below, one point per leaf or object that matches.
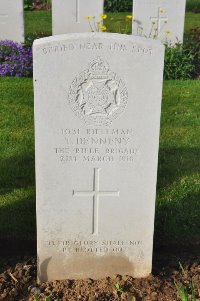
(192, 5)
(17, 184)
(178, 188)
(178, 191)
(40, 22)
(191, 21)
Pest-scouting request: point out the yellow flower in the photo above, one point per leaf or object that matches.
(103, 28)
(98, 23)
(129, 17)
(103, 16)
(168, 32)
(89, 17)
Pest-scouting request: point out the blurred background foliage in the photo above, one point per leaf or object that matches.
(109, 6)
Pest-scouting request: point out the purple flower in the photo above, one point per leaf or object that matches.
(15, 60)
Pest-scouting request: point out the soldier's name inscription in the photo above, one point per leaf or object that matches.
(96, 145)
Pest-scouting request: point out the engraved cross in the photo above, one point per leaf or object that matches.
(3, 18)
(96, 194)
(159, 19)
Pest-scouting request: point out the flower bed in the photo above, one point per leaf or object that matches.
(15, 60)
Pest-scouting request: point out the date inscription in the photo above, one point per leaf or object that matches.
(96, 145)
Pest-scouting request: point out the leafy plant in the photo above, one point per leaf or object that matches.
(28, 4)
(187, 288)
(179, 62)
(119, 288)
(182, 291)
(29, 39)
(15, 60)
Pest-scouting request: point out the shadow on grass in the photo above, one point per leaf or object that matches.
(178, 222)
(174, 163)
(17, 204)
(17, 218)
(18, 225)
(177, 219)
(17, 172)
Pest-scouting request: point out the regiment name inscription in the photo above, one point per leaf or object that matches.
(96, 145)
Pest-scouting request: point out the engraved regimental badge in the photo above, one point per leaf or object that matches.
(98, 95)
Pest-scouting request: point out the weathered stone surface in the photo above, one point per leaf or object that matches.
(160, 19)
(69, 16)
(97, 117)
(12, 20)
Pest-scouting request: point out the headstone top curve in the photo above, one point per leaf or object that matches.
(96, 35)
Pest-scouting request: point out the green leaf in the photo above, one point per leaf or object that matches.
(182, 291)
(182, 269)
(193, 291)
(118, 287)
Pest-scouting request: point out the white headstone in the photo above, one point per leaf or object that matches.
(97, 119)
(12, 20)
(69, 16)
(160, 19)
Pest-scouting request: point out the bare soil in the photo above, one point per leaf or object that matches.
(18, 281)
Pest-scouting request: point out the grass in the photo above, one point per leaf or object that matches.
(119, 23)
(17, 185)
(37, 22)
(178, 189)
(192, 5)
(186, 289)
(191, 21)
(40, 22)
